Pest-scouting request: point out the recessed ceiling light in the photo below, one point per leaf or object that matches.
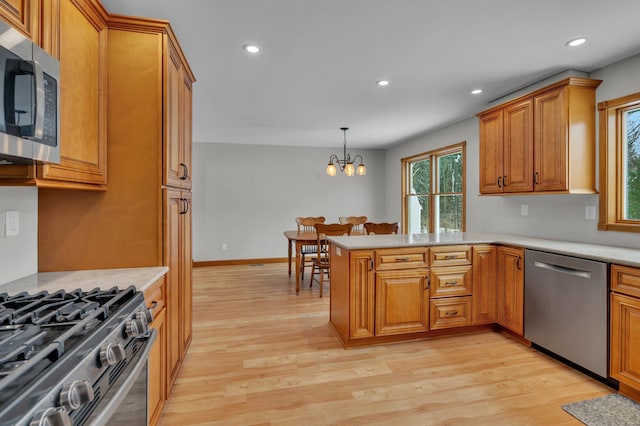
(576, 42)
(476, 91)
(251, 48)
(382, 82)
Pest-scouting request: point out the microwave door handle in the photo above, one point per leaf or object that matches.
(38, 129)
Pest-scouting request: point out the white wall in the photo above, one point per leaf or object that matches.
(247, 195)
(19, 254)
(550, 216)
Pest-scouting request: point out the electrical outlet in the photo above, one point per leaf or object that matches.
(589, 212)
(524, 209)
(12, 223)
(224, 246)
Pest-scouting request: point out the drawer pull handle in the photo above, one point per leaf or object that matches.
(451, 313)
(451, 283)
(153, 305)
(451, 256)
(402, 259)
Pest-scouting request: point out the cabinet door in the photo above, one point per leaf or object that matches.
(186, 269)
(402, 302)
(625, 339)
(172, 224)
(157, 368)
(484, 285)
(511, 289)
(491, 152)
(518, 147)
(83, 90)
(22, 15)
(178, 105)
(361, 296)
(550, 143)
(186, 125)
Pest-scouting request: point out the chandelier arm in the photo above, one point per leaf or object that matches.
(356, 158)
(334, 159)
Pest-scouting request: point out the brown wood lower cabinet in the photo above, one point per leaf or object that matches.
(402, 302)
(511, 289)
(155, 298)
(625, 329)
(390, 294)
(450, 312)
(484, 303)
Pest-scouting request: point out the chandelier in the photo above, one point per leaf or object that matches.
(346, 164)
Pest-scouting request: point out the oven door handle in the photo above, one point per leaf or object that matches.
(125, 383)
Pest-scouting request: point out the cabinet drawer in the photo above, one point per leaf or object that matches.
(155, 297)
(450, 256)
(625, 279)
(450, 312)
(451, 281)
(409, 258)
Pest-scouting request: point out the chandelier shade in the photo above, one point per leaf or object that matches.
(346, 164)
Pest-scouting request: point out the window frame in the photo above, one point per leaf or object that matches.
(612, 182)
(432, 156)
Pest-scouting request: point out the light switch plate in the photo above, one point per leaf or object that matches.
(12, 223)
(524, 209)
(589, 212)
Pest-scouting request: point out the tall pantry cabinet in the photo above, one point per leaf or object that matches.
(143, 218)
(150, 78)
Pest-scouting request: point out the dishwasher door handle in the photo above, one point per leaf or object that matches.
(562, 269)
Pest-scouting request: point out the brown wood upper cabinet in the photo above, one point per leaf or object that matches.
(23, 15)
(74, 31)
(541, 142)
(177, 149)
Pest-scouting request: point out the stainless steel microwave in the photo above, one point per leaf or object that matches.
(29, 101)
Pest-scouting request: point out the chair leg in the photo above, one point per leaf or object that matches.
(321, 281)
(313, 271)
(302, 267)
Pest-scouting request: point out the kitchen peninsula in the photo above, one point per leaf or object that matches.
(398, 287)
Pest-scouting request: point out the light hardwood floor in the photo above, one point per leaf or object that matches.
(263, 356)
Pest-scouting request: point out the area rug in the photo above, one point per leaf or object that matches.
(608, 410)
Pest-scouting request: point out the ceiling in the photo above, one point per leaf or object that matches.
(321, 59)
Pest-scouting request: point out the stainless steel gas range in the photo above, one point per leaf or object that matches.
(74, 357)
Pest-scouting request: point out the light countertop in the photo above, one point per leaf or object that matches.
(610, 254)
(141, 278)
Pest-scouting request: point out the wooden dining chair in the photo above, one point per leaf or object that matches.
(308, 251)
(381, 228)
(322, 262)
(357, 222)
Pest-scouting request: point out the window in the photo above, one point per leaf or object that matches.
(433, 191)
(620, 164)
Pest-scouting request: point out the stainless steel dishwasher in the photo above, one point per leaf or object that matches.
(566, 308)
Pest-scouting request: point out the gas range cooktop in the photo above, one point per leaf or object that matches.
(44, 337)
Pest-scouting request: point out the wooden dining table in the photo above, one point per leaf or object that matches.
(300, 238)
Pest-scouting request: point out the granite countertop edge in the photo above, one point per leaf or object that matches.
(604, 253)
(142, 278)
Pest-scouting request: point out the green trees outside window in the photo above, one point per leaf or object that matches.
(631, 165)
(433, 191)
